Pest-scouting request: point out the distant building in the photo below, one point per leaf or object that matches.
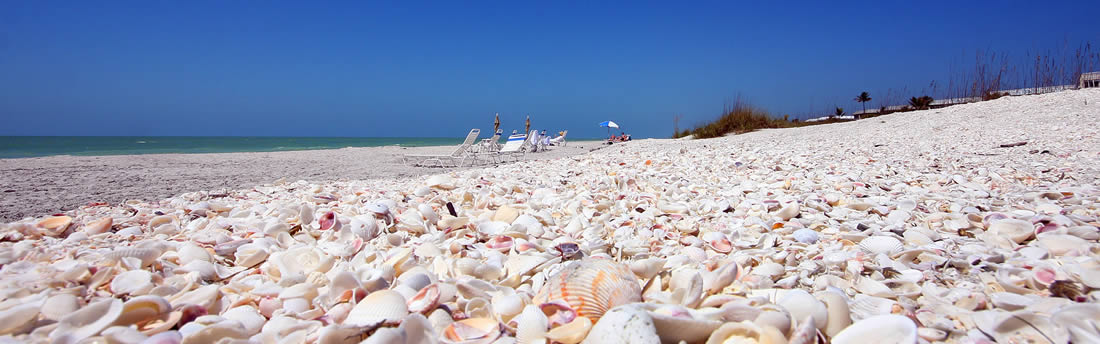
(1089, 80)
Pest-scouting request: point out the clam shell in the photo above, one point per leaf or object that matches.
(133, 282)
(886, 329)
(143, 308)
(483, 330)
(87, 321)
(379, 307)
(591, 286)
(17, 319)
(746, 332)
(802, 305)
(1016, 230)
(55, 225)
(677, 324)
(571, 333)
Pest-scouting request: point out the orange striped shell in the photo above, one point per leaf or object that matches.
(591, 287)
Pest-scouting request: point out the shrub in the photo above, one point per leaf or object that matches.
(921, 103)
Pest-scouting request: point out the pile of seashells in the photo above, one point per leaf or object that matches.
(642, 243)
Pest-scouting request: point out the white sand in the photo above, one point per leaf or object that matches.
(46, 185)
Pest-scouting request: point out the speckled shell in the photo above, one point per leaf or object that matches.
(591, 287)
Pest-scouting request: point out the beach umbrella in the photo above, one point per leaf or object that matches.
(527, 127)
(609, 125)
(496, 123)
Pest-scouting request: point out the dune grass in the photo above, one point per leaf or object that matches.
(738, 118)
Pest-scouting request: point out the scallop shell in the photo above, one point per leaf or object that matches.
(378, 307)
(591, 286)
(886, 329)
(87, 321)
(531, 326)
(58, 306)
(146, 255)
(881, 244)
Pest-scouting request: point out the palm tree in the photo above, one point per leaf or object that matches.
(863, 98)
(922, 103)
(839, 112)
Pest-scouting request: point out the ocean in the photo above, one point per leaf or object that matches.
(35, 146)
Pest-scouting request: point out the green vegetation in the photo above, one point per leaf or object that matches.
(737, 119)
(921, 103)
(839, 112)
(863, 98)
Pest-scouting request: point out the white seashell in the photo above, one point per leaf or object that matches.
(378, 307)
(87, 321)
(98, 226)
(472, 330)
(840, 316)
(249, 318)
(531, 326)
(133, 282)
(18, 318)
(1081, 321)
(880, 244)
(886, 329)
(677, 324)
(802, 305)
(121, 334)
(806, 236)
(441, 181)
(872, 287)
(624, 324)
(189, 252)
(788, 212)
(1016, 230)
(57, 307)
(142, 308)
(746, 332)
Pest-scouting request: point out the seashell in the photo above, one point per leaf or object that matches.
(383, 306)
(879, 244)
(1020, 327)
(87, 321)
(141, 309)
(507, 305)
(677, 324)
(774, 316)
(1080, 320)
(299, 262)
(1010, 301)
(120, 334)
(788, 212)
(328, 221)
(482, 330)
(840, 316)
(441, 181)
(802, 305)
(1061, 244)
(531, 326)
(647, 268)
(57, 307)
(1016, 230)
(425, 300)
(98, 226)
(887, 329)
(746, 332)
(189, 252)
(217, 332)
(55, 225)
(591, 286)
(720, 278)
(146, 255)
(249, 317)
(806, 236)
(571, 333)
(18, 318)
(624, 324)
(133, 282)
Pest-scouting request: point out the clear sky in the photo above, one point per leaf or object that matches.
(246, 68)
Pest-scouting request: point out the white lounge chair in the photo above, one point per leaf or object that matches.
(560, 140)
(532, 142)
(458, 157)
(490, 145)
(512, 148)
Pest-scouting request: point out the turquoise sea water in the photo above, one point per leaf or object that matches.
(33, 146)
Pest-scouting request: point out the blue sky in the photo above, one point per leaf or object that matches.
(440, 68)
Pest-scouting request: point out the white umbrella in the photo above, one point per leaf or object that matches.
(609, 125)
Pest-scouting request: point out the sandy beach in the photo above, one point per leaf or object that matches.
(974, 223)
(45, 185)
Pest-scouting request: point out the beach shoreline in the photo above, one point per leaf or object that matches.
(37, 186)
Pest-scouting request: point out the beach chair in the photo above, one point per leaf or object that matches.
(490, 145)
(512, 148)
(560, 140)
(458, 157)
(532, 142)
